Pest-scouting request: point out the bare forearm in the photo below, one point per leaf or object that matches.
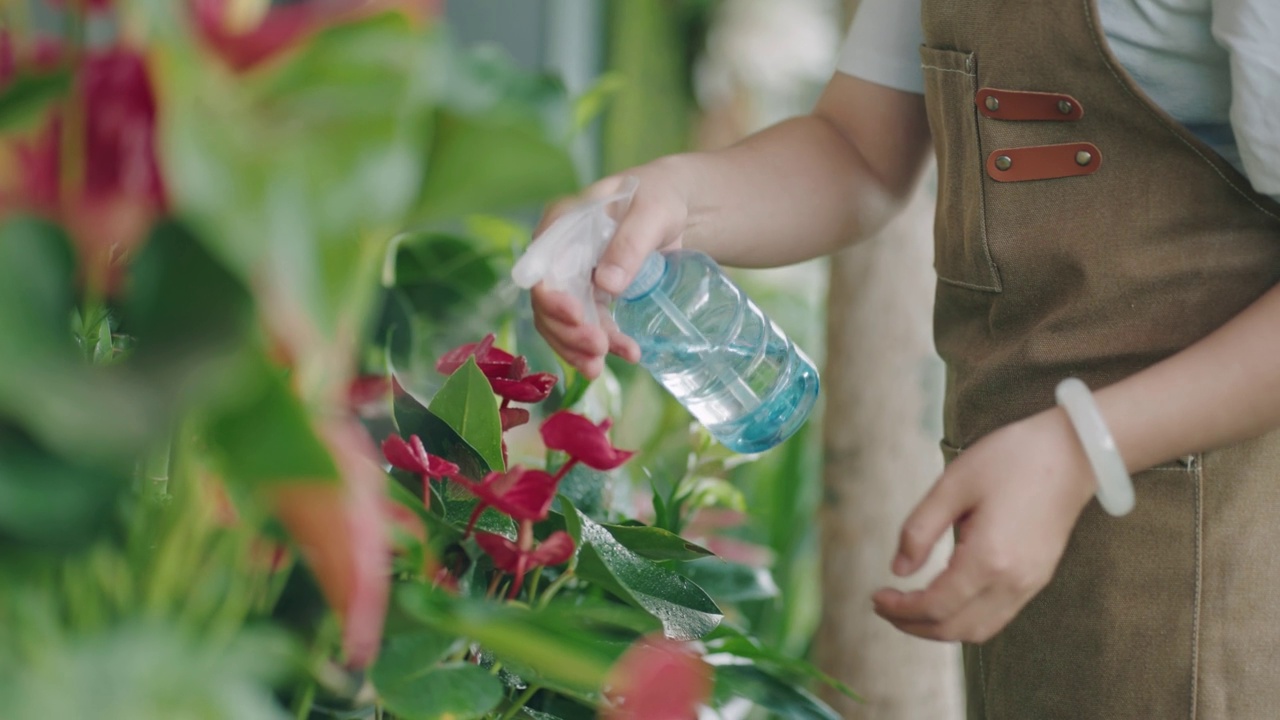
(808, 186)
(1223, 389)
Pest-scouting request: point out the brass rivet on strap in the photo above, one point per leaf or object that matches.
(1064, 107)
(1084, 157)
(1004, 162)
(992, 103)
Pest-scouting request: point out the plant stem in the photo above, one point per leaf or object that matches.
(533, 584)
(554, 588)
(302, 703)
(520, 702)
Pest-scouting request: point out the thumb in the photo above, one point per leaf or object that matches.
(645, 228)
(942, 507)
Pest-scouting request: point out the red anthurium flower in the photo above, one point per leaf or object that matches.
(493, 362)
(117, 190)
(508, 374)
(657, 679)
(513, 417)
(522, 494)
(522, 386)
(583, 440)
(509, 557)
(413, 457)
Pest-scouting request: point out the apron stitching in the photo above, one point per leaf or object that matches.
(942, 69)
(1088, 11)
(1195, 606)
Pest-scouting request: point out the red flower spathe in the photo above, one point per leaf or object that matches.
(555, 550)
(508, 374)
(413, 457)
(583, 440)
(657, 679)
(522, 494)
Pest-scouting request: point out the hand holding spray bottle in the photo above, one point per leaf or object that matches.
(700, 336)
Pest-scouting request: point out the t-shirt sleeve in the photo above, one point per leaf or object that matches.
(1248, 30)
(883, 45)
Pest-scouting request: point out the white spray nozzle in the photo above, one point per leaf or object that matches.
(566, 253)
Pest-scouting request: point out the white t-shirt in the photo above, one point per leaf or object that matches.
(1214, 65)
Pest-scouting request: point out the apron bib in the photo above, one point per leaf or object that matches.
(1082, 231)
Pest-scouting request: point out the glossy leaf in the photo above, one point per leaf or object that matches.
(412, 418)
(686, 612)
(586, 488)
(657, 544)
(731, 582)
(467, 405)
(778, 696)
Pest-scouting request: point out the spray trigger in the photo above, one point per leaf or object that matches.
(566, 253)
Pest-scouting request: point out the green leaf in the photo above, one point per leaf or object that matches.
(771, 693)
(572, 521)
(264, 435)
(591, 104)
(467, 404)
(80, 412)
(444, 693)
(550, 647)
(479, 165)
(731, 640)
(50, 502)
(731, 582)
(686, 611)
(183, 303)
(436, 435)
(586, 488)
(656, 544)
(458, 506)
(414, 685)
(28, 96)
(437, 273)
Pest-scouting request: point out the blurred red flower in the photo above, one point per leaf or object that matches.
(109, 195)
(657, 679)
(342, 532)
(583, 440)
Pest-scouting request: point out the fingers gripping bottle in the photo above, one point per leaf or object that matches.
(700, 336)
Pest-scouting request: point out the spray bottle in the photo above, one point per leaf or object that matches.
(700, 336)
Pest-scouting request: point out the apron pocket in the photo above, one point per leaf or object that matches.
(961, 255)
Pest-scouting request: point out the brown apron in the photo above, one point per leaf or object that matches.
(1082, 231)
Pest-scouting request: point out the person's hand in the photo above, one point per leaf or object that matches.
(656, 219)
(1013, 498)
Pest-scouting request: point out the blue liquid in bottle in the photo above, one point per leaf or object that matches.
(708, 344)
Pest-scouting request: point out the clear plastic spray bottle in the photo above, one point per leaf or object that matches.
(700, 336)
